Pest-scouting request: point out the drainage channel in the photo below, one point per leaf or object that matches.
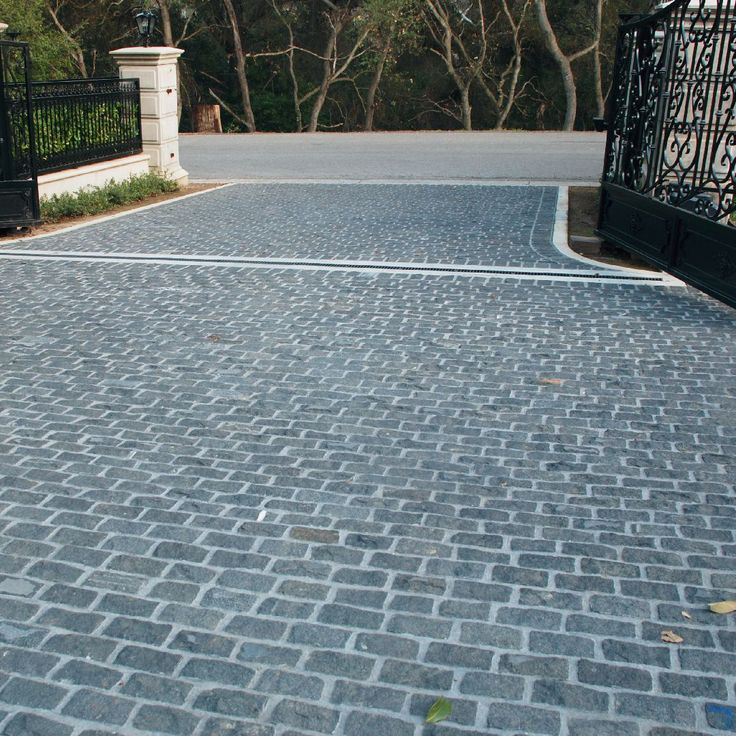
(376, 266)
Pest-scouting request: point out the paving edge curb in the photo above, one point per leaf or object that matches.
(560, 241)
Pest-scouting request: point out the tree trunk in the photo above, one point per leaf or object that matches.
(568, 79)
(292, 72)
(168, 34)
(319, 103)
(445, 38)
(327, 75)
(76, 48)
(511, 98)
(508, 106)
(250, 121)
(600, 101)
(467, 110)
(376, 83)
(206, 119)
(295, 91)
(163, 6)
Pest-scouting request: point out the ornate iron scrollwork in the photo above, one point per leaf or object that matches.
(672, 133)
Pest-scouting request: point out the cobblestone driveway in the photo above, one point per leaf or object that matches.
(255, 502)
(458, 224)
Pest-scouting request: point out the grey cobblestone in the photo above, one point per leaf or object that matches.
(369, 696)
(614, 676)
(31, 694)
(299, 502)
(90, 705)
(163, 719)
(230, 702)
(150, 687)
(511, 717)
(29, 724)
(510, 226)
(305, 716)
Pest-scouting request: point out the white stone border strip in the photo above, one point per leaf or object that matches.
(487, 272)
(560, 241)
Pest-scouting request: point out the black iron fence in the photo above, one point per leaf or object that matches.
(80, 121)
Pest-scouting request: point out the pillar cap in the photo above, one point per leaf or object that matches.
(147, 54)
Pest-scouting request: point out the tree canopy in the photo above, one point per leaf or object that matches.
(306, 65)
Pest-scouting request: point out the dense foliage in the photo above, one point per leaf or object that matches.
(94, 200)
(64, 127)
(286, 65)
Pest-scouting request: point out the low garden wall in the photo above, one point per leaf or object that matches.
(69, 181)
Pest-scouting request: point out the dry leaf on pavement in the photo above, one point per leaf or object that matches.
(441, 710)
(723, 607)
(671, 638)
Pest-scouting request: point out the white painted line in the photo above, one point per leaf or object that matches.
(360, 267)
(317, 262)
(410, 182)
(560, 239)
(115, 216)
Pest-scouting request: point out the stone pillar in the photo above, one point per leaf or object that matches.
(155, 68)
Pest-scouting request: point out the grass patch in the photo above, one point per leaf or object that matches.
(96, 200)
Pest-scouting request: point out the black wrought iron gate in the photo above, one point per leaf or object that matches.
(18, 175)
(669, 178)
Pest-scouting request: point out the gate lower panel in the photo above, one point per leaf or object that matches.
(688, 246)
(18, 204)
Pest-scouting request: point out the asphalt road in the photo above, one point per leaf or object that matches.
(505, 156)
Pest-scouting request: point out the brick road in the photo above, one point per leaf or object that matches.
(270, 502)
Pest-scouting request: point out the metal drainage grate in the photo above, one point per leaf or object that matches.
(326, 265)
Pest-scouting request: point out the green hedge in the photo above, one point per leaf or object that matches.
(67, 127)
(94, 200)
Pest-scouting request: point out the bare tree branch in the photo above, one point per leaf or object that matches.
(227, 107)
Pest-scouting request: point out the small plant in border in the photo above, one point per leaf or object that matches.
(95, 200)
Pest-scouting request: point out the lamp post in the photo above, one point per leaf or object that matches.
(146, 22)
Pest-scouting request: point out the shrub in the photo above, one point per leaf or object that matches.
(94, 200)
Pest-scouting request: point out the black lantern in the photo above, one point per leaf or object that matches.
(146, 22)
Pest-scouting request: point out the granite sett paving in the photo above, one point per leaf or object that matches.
(269, 502)
(459, 224)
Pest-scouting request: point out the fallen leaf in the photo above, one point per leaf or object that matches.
(671, 638)
(723, 607)
(213, 338)
(685, 614)
(441, 710)
(552, 381)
